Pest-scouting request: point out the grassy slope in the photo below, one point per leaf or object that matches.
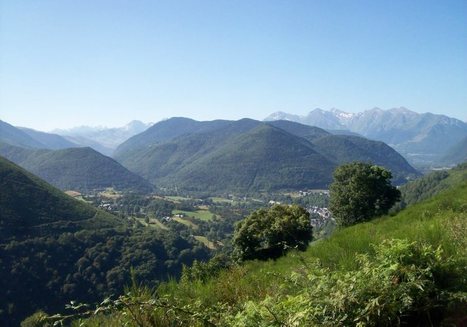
(433, 183)
(439, 221)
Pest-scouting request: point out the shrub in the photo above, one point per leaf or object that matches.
(403, 283)
(270, 233)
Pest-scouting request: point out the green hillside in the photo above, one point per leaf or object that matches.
(431, 184)
(266, 158)
(310, 133)
(176, 153)
(234, 156)
(31, 207)
(81, 169)
(164, 131)
(346, 148)
(55, 249)
(407, 269)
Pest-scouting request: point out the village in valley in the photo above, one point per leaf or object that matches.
(208, 219)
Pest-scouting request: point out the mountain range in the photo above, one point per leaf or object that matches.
(30, 138)
(421, 138)
(102, 139)
(200, 156)
(80, 169)
(248, 155)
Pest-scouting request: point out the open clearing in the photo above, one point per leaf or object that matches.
(185, 222)
(198, 214)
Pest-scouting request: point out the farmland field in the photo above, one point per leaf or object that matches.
(198, 214)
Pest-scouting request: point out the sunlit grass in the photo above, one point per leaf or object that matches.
(438, 222)
(205, 215)
(185, 222)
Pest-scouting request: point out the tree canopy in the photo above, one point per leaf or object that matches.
(361, 191)
(269, 233)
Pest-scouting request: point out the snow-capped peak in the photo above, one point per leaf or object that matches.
(342, 115)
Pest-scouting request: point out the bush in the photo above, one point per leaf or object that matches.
(271, 233)
(361, 191)
(404, 283)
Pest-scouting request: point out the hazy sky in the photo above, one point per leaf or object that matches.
(65, 63)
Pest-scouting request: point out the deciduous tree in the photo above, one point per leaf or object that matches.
(361, 191)
(269, 233)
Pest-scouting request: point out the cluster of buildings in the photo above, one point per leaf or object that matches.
(319, 216)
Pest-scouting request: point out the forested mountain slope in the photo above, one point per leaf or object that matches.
(248, 155)
(30, 207)
(81, 169)
(55, 249)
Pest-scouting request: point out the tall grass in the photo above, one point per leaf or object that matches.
(440, 221)
(438, 224)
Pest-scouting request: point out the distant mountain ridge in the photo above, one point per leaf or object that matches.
(247, 155)
(80, 169)
(12, 135)
(29, 138)
(50, 141)
(103, 139)
(422, 138)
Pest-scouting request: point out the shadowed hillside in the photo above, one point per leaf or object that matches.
(55, 249)
(81, 169)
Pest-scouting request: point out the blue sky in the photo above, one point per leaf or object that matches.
(65, 63)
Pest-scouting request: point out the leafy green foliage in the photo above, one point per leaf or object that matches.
(404, 283)
(271, 233)
(204, 271)
(361, 191)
